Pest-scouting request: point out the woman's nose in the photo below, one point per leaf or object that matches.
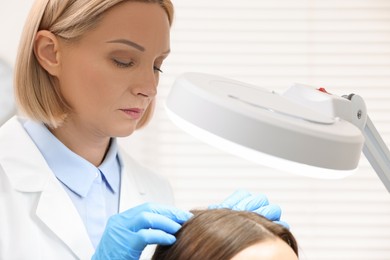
(146, 84)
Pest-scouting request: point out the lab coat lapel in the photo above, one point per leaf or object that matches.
(54, 208)
(57, 211)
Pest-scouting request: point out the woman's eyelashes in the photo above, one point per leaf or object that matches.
(157, 69)
(123, 64)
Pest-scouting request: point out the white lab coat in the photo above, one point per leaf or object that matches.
(37, 218)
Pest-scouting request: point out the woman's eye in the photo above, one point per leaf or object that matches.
(123, 64)
(157, 69)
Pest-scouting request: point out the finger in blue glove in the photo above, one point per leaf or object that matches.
(128, 233)
(243, 200)
(252, 203)
(232, 200)
(272, 212)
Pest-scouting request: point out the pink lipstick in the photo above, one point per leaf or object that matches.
(133, 113)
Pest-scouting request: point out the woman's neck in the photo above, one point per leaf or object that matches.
(84, 143)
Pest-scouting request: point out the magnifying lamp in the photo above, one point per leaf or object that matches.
(304, 130)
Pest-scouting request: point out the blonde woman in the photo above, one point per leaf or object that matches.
(87, 72)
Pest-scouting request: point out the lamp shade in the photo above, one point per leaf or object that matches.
(264, 126)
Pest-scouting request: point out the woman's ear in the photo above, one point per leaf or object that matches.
(46, 50)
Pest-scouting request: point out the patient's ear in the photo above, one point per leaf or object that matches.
(46, 50)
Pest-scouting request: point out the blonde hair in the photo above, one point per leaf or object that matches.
(35, 89)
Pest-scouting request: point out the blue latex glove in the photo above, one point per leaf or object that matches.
(128, 233)
(243, 200)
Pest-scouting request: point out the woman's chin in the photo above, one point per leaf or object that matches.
(123, 131)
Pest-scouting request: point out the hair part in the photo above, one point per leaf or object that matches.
(36, 91)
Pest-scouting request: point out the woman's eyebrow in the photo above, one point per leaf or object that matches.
(129, 43)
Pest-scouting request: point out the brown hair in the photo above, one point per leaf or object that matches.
(220, 234)
(35, 89)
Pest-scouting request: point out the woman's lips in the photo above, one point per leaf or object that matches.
(133, 113)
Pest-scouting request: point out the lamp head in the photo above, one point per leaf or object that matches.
(298, 131)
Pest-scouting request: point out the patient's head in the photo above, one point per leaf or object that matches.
(228, 234)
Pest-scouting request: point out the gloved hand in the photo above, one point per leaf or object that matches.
(128, 233)
(243, 200)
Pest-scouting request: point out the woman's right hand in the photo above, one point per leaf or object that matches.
(128, 233)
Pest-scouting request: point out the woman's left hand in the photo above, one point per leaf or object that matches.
(243, 200)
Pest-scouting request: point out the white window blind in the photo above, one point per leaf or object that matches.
(342, 45)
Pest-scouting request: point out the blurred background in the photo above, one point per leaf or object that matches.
(342, 45)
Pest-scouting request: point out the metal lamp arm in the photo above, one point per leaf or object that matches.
(374, 148)
(377, 153)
